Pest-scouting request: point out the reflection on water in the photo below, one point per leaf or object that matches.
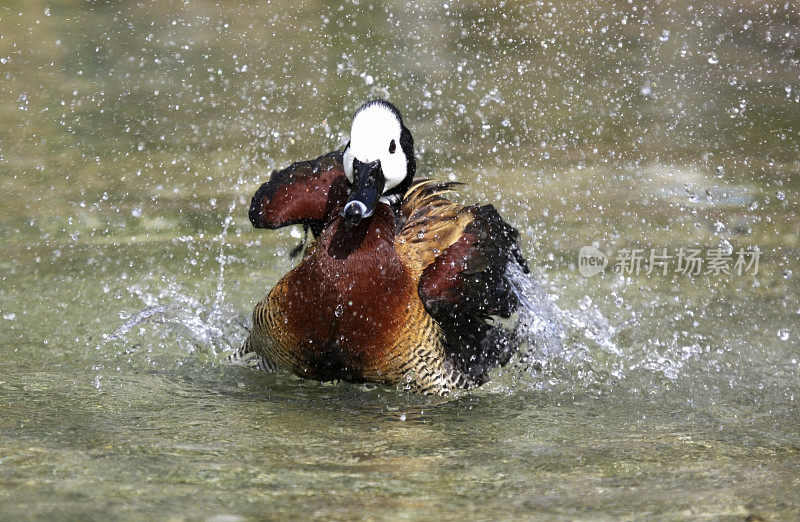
(133, 136)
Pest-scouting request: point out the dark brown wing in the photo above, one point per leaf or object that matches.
(465, 288)
(306, 193)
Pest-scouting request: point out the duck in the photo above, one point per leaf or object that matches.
(400, 286)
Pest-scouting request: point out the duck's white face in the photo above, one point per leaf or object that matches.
(375, 135)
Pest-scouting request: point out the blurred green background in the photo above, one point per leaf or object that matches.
(132, 135)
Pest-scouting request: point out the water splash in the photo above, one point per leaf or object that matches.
(559, 346)
(581, 347)
(219, 294)
(562, 346)
(195, 326)
(539, 320)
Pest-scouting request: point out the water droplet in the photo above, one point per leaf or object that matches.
(783, 334)
(664, 35)
(339, 310)
(780, 195)
(10, 316)
(713, 59)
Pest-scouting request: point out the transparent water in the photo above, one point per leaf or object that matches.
(133, 136)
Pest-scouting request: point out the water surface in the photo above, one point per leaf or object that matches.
(134, 134)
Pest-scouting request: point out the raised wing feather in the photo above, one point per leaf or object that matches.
(463, 252)
(306, 193)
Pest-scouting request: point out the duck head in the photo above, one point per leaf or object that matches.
(378, 161)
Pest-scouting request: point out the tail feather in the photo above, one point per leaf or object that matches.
(247, 356)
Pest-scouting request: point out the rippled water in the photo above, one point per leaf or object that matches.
(133, 136)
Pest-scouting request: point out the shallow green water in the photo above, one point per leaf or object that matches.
(132, 137)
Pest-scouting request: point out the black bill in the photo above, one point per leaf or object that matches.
(368, 183)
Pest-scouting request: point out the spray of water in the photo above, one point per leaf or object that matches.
(576, 346)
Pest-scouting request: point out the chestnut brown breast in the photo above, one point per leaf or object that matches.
(346, 311)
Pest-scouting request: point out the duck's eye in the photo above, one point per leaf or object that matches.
(392, 147)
